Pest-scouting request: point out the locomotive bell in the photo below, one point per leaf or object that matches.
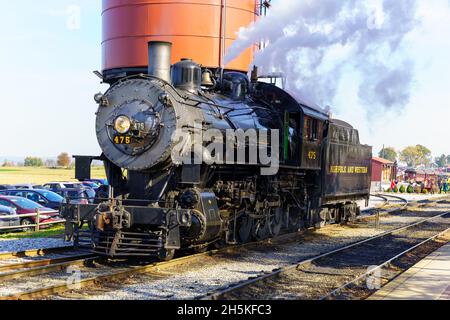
(207, 79)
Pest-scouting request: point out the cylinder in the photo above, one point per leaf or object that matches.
(160, 59)
(196, 29)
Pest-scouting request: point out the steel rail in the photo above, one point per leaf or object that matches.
(217, 295)
(386, 263)
(34, 252)
(59, 288)
(386, 201)
(380, 210)
(401, 208)
(393, 196)
(28, 267)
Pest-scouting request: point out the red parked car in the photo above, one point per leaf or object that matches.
(25, 206)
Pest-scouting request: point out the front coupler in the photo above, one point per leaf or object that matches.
(117, 230)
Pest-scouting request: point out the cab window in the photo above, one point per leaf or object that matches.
(312, 130)
(292, 138)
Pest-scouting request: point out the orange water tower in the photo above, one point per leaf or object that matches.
(198, 29)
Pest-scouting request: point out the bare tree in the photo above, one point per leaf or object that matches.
(63, 160)
(8, 163)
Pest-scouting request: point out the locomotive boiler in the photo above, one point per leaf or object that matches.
(199, 156)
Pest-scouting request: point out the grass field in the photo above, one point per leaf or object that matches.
(50, 232)
(17, 175)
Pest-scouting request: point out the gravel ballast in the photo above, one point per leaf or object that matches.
(197, 278)
(211, 274)
(15, 245)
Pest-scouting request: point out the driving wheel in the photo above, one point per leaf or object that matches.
(295, 219)
(244, 228)
(275, 221)
(166, 254)
(261, 229)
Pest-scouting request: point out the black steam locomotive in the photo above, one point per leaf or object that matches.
(198, 157)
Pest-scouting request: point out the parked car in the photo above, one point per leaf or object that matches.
(91, 185)
(100, 182)
(26, 186)
(91, 194)
(8, 218)
(55, 186)
(44, 197)
(77, 196)
(24, 206)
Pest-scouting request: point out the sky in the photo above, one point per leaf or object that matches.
(50, 48)
(426, 118)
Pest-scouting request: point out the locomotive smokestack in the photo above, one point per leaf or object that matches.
(159, 59)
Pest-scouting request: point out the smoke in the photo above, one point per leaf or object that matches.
(314, 43)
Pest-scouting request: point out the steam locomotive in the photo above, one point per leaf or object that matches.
(197, 157)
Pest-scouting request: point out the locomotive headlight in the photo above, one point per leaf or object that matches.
(122, 124)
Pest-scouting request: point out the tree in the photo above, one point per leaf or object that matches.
(33, 162)
(8, 163)
(416, 155)
(388, 153)
(424, 155)
(63, 160)
(441, 161)
(409, 155)
(50, 163)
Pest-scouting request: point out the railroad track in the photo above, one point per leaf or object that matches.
(33, 252)
(60, 261)
(329, 275)
(397, 207)
(372, 271)
(404, 203)
(122, 273)
(400, 204)
(14, 265)
(108, 273)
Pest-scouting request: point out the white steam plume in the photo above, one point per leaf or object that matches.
(314, 42)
